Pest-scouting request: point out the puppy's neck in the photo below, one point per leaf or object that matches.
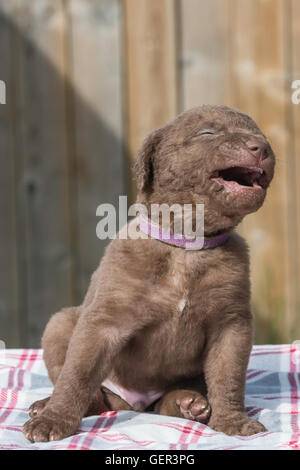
(154, 230)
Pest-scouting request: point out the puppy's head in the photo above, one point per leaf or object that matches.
(212, 155)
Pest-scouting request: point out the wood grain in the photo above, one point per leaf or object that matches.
(42, 191)
(293, 30)
(96, 74)
(150, 29)
(203, 53)
(10, 318)
(258, 88)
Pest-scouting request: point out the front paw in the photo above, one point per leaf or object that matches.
(37, 407)
(236, 426)
(43, 428)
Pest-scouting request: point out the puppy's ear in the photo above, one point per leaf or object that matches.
(144, 165)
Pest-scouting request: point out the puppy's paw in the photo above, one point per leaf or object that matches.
(37, 407)
(43, 428)
(193, 405)
(240, 426)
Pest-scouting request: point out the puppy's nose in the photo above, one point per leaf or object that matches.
(257, 149)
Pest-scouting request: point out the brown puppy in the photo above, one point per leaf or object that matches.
(158, 317)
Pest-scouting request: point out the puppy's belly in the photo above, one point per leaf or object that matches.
(139, 401)
(160, 357)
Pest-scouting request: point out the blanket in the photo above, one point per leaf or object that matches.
(272, 397)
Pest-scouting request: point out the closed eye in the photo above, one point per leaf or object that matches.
(202, 133)
(206, 132)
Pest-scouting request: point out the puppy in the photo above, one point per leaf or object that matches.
(161, 323)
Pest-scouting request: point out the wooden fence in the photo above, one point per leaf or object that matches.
(86, 80)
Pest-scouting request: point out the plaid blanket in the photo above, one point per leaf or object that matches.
(272, 396)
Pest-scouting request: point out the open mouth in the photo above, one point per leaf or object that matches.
(238, 176)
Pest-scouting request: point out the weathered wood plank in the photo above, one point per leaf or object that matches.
(257, 62)
(242, 47)
(96, 78)
(204, 72)
(10, 324)
(294, 175)
(229, 56)
(43, 192)
(151, 67)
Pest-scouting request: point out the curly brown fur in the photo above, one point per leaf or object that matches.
(129, 327)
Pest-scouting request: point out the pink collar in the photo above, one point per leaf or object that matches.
(203, 243)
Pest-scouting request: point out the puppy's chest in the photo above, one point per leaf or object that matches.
(197, 285)
(184, 274)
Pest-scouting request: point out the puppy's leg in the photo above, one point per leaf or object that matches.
(225, 368)
(182, 403)
(55, 342)
(56, 338)
(113, 401)
(96, 340)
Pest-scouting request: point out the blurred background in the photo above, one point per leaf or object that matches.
(86, 81)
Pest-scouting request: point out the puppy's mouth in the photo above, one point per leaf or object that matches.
(239, 177)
